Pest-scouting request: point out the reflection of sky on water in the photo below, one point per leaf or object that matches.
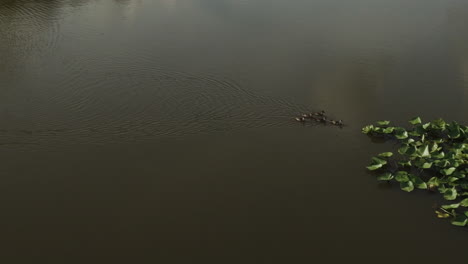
(359, 55)
(458, 22)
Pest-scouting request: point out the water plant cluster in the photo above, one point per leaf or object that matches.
(431, 156)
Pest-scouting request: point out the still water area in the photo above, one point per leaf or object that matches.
(162, 131)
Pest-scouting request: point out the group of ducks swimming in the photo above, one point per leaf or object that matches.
(319, 117)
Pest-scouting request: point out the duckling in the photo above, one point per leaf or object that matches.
(300, 119)
(321, 113)
(337, 123)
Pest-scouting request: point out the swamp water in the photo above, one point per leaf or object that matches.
(161, 131)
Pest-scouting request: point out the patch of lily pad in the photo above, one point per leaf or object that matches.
(431, 156)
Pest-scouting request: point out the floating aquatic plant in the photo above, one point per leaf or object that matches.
(431, 156)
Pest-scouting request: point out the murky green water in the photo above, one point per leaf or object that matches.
(160, 131)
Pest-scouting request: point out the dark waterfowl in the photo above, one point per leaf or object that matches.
(300, 119)
(319, 117)
(337, 123)
(321, 113)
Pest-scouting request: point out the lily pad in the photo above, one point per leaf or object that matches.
(464, 202)
(460, 220)
(368, 129)
(407, 186)
(441, 214)
(424, 152)
(433, 182)
(400, 133)
(388, 130)
(451, 206)
(385, 177)
(418, 182)
(448, 171)
(376, 164)
(431, 156)
(426, 165)
(415, 121)
(385, 154)
(401, 176)
(383, 123)
(450, 194)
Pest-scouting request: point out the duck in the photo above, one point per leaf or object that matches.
(317, 118)
(337, 123)
(321, 113)
(300, 119)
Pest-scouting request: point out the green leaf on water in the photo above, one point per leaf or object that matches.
(424, 152)
(385, 177)
(415, 121)
(450, 194)
(374, 167)
(448, 171)
(368, 129)
(401, 176)
(388, 130)
(464, 202)
(452, 179)
(427, 165)
(441, 214)
(442, 163)
(383, 123)
(418, 182)
(451, 206)
(405, 163)
(403, 149)
(376, 160)
(385, 154)
(433, 182)
(439, 155)
(453, 130)
(407, 186)
(460, 220)
(400, 133)
(376, 164)
(438, 124)
(442, 189)
(435, 148)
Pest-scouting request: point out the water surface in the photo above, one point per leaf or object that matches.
(146, 131)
